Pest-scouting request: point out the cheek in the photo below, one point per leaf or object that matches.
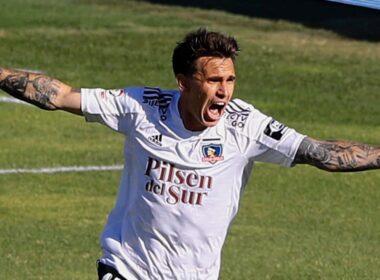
(231, 89)
(209, 91)
(202, 94)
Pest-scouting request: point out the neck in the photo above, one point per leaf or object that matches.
(188, 121)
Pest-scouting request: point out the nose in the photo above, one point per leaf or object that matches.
(222, 90)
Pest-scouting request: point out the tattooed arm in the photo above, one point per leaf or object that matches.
(343, 156)
(38, 89)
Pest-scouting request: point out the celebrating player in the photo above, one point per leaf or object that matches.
(188, 156)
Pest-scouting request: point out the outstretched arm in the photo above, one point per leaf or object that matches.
(41, 90)
(338, 156)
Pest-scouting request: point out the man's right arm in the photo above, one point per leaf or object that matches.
(40, 90)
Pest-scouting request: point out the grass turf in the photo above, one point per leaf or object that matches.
(293, 224)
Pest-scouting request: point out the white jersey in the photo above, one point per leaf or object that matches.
(180, 189)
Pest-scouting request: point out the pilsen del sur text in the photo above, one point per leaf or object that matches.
(176, 185)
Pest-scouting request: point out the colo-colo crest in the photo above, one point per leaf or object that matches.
(212, 153)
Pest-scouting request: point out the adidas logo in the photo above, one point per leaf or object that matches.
(156, 139)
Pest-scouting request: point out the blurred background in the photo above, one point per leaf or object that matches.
(313, 65)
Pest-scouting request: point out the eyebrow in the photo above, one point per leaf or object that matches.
(218, 78)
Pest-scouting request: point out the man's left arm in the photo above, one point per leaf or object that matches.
(338, 156)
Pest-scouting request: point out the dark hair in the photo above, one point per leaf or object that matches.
(202, 43)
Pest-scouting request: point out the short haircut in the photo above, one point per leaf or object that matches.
(202, 43)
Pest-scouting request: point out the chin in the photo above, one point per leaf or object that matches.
(206, 122)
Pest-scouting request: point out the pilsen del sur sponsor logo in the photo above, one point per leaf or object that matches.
(176, 185)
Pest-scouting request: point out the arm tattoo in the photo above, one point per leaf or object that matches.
(338, 155)
(16, 83)
(39, 90)
(46, 89)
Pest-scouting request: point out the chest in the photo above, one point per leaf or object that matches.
(213, 148)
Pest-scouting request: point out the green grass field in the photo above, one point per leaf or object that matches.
(298, 223)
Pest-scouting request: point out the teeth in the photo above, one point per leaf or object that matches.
(220, 103)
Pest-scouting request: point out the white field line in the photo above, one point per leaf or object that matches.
(6, 99)
(62, 169)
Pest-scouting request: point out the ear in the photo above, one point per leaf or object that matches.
(182, 82)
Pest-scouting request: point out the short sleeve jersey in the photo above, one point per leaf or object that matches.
(180, 189)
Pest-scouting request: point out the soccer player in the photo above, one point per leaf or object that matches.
(188, 156)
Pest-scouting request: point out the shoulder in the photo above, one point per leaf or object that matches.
(151, 98)
(237, 105)
(244, 119)
(154, 96)
(145, 93)
(239, 113)
(158, 101)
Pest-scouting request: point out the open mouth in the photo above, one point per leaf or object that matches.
(215, 110)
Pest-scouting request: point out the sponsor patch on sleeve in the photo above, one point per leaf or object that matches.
(275, 129)
(112, 92)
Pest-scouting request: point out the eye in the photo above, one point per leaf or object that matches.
(231, 79)
(213, 80)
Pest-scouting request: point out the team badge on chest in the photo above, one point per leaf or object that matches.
(212, 153)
